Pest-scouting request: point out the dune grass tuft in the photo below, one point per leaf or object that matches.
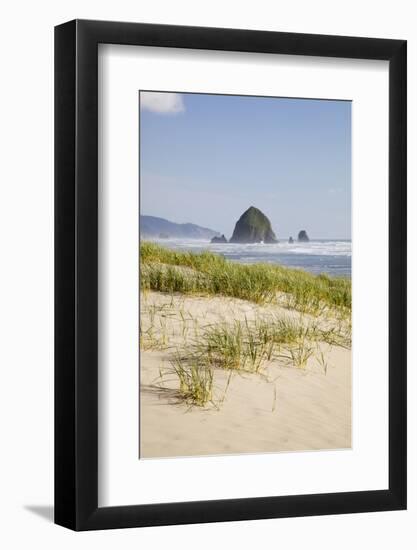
(195, 381)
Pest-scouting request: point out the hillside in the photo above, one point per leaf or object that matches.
(151, 226)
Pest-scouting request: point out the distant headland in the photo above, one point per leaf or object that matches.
(153, 227)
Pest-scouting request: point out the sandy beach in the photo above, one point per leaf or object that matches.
(281, 407)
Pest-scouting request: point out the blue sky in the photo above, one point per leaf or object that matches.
(205, 159)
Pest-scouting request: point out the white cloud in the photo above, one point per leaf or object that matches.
(164, 103)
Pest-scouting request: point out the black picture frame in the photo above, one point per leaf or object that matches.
(76, 272)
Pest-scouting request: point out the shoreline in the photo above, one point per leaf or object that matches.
(332, 257)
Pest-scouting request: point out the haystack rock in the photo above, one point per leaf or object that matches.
(303, 237)
(253, 227)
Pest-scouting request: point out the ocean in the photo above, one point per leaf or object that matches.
(317, 256)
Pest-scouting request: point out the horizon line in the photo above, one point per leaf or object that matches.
(224, 233)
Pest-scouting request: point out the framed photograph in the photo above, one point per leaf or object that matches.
(230, 252)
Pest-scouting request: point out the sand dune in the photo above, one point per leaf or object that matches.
(284, 409)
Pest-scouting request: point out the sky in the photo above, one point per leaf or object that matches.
(205, 159)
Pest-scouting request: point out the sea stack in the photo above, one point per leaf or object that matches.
(291, 240)
(218, 240)
(303, 237)
(253, 227)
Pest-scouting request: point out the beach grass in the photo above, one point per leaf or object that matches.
(246, 345)
(195, 381)
(206, 273)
